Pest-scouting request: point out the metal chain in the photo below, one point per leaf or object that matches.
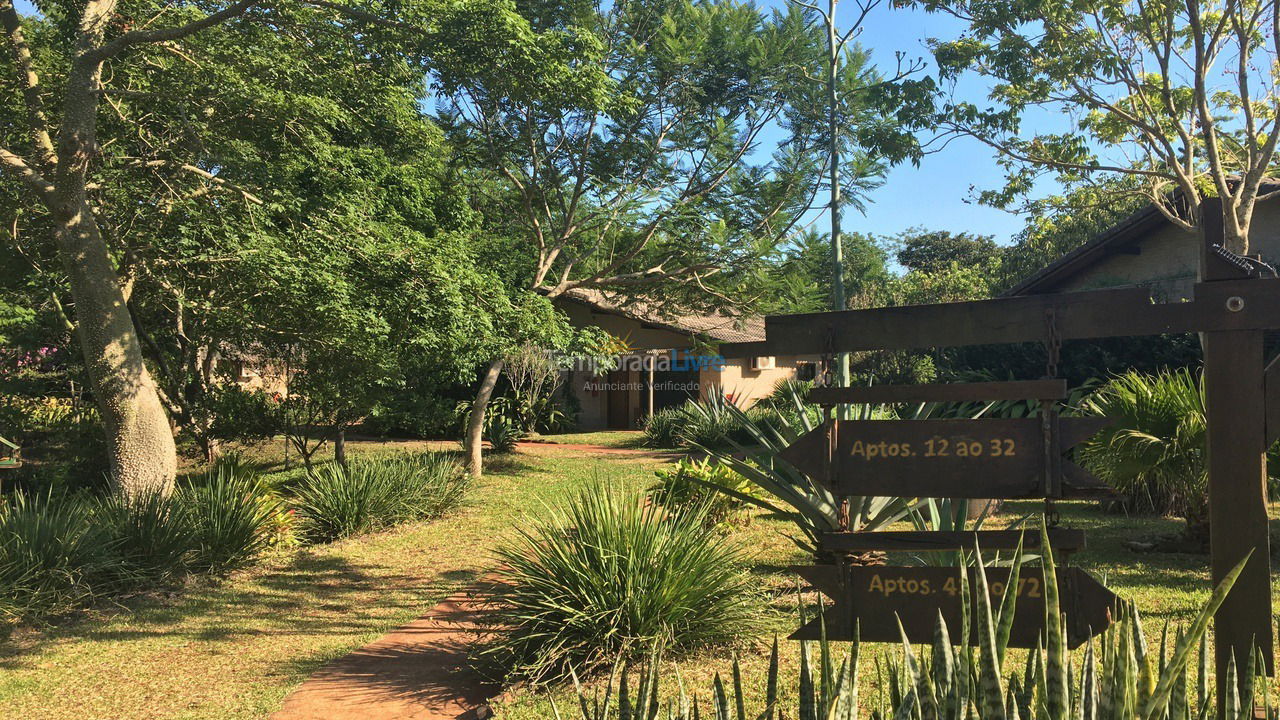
(828, 357)
(1052, 343)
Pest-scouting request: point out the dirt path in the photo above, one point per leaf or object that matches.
(416, 672)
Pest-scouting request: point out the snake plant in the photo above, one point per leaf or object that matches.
(1116, 676)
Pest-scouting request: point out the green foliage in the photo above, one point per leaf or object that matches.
(698, 483)
(336, 502)
(52, 555)
(503, 434)
(920, 250)
(660, 428)
(1154, 452)
(703, 422)
(799, 280)
(805, 501)
(1119, 677)
(150, 534)
(232, 518)
(605, 575)
(242, 415)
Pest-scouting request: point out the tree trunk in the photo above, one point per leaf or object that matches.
(475, 420)
(340, 448)
(140, 443)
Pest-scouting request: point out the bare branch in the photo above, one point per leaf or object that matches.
(201, 172)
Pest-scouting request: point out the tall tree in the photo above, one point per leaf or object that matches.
(1180, 95)
(931, 251)
(654, 180)
(56, 153)
(840, 97)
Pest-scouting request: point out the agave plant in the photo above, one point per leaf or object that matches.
(792, 494)
(1121, 677)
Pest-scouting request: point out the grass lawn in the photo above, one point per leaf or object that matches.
(236, 648)
(606, 438)
(1167, 587)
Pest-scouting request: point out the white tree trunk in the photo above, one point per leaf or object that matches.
(475, 420)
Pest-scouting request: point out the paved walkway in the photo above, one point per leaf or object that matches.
(417, 672)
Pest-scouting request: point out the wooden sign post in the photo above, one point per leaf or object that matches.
(1233, 306)
(881, 597)
(984, 458)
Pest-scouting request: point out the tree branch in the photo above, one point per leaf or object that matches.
(26, 173)
(36, 120)
(140, 37)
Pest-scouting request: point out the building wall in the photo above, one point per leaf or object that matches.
(1169, 258)
(737, 379)
(746, 386)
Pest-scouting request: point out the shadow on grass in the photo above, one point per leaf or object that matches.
(309, 595)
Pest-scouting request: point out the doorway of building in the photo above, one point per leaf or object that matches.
(620, 414)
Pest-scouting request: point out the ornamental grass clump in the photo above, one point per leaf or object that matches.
(232, 516)
(966, 675)
(607, 575)
(53, 556)
(369, 495)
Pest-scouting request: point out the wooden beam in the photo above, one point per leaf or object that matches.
(1236, 409)
(1271, 390)
(1055, 389)
(1064, 539)
(1248, 304)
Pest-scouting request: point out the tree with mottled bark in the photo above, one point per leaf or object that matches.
(56, 154)
(1178, 96)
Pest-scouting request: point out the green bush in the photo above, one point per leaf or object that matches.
(1117, 676)
(702, 483)
(52, 555)
(660, 427)
(605, 574)
(151, 536)
(232, 518)
(705, 423)
(373, 494)
(1154, 452)
(503, 435)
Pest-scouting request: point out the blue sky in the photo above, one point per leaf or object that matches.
(936, 195)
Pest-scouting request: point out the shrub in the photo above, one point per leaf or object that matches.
(605, 574)
(233, 519)
(503, 435)
(1119, 678)
(1154, 452)
(52, 555)
(151, 536)
(431, 484)
(702, 483)
(714, 422)
(660, 427)
(373, 494)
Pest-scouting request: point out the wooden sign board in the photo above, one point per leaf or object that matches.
(879, 597)
(983, 458)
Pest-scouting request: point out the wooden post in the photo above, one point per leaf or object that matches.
(652, 362)
(1235, 403)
